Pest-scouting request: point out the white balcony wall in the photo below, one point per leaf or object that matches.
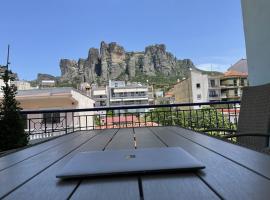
(256, 14)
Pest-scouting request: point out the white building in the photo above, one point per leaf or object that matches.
(55, 99)
(100, 95)
(201, 86)
(22, 85)
(47, 83)
(132, 94)
(118, 93)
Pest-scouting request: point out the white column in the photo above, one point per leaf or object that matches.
(256, 14)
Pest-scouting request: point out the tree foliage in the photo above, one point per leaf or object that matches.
(12, 134)
(207, 118)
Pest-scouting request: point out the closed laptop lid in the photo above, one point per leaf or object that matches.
(132, 161)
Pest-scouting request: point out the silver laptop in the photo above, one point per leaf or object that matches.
(135, 161)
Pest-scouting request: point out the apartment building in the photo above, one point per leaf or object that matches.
(22, 85)
(100, 95)
(119, 93)
(47, 83)
(207, 86)
(232, 84)
(200, 86)
(131, 94)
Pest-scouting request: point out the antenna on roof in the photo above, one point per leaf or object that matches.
(8, 58)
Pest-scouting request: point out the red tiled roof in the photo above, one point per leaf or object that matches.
(235, 73)
(122, 119)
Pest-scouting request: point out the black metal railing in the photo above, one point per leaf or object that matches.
(215, 118)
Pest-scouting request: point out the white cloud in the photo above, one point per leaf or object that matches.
(213, 67)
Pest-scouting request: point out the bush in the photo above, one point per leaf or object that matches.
(201, 119)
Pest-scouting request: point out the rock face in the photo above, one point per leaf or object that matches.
(41, 77)
(113, 62)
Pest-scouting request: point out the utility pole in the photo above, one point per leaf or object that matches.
(7, 58)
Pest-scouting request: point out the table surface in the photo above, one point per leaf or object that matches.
(232, 172)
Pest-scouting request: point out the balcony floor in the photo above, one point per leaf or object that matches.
(232, 172)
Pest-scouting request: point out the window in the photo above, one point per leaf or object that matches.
(212, 83)
(199, 96)
(242, 82)
(235, 92)
(102, 103)
(198, 85)
(51, 118)
(212, 93)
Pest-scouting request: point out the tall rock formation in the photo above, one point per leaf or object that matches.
(113, 62)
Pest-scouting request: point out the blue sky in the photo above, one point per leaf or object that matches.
(210, 32)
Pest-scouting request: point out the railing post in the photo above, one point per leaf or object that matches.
(73, 128)
(119, 116)
(126, 119)
(80, 122)
(229, 116)
(190, 118)
(151, 118)
(29, 127)
(177, 116)
(171, 116)
(145, 119)
(86, 123)
(139, 117)
(66, 122)
(45, 124)
(217, 122)
(106, 119)
(203, 118)
(158, 118)
(197, 119)
(235, 115)
(52, 117)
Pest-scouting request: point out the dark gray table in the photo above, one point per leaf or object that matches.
(232, 172)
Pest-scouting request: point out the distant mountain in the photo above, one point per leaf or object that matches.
(111, 61)
(240, 66)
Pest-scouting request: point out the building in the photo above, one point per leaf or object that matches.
(118, 93)
(55, 99)
(131, 94)
(86, 88)
(234, 80)
(232, 84)
(100, 95)
(151, 95)
(47, 83)
(22, 85)
(240, 66)
(201, 86)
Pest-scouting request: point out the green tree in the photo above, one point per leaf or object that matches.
(12, 134)
(206, 118)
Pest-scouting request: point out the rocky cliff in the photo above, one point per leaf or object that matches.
(111, 61)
